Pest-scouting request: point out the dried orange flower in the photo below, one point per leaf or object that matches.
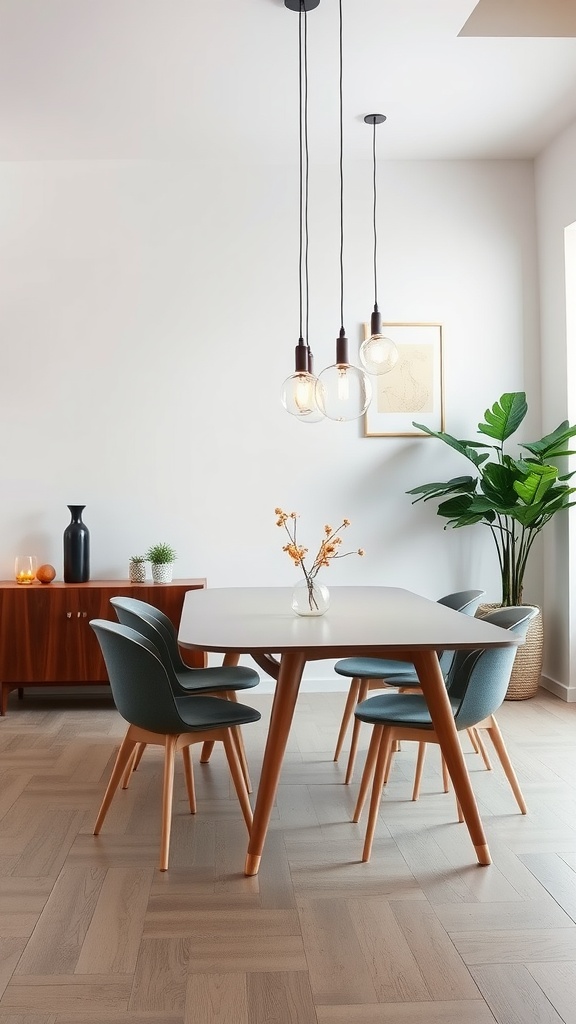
(326, 552)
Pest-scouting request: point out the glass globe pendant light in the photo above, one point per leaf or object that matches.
(298, 394)
(343, 391)
(378, 354)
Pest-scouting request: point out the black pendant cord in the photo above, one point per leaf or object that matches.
(306, 182)
(374, 216)
(342, 331)
(300, 131)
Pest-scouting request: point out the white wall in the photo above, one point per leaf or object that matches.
(555, 182)
(148, 316)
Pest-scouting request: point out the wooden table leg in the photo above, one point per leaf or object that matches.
(434, 690)
(291, 668)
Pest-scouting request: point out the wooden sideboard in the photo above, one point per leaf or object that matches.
(45, 634)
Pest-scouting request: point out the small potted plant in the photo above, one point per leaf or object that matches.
(162, 557)
(137, 569)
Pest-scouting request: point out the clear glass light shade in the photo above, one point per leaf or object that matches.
(343, 392)
(299, 397)
(378, 354)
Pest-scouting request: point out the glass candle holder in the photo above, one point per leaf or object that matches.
(25, 568)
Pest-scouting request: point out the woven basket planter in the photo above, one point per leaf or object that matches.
(527, 668)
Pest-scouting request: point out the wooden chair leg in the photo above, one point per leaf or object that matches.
(351, 702)
(419, 768)
(445, 775)
(239, 742)
(472, 736)
(496, 736)
(393, 750)
(189, 776)
(482, 750)
(167, 794)
(123, 758)
(363, 693)
(207, 749)
(368, 771)
(237, 777)
(377, 783)
(133, 764)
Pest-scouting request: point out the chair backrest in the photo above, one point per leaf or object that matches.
(153, 630)
(132, 606)
(465, 601)
(140, 682)
(478, 680)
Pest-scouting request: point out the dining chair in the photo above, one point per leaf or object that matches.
(476, 683)
(144, 693)
(224, 680)
(375, 673)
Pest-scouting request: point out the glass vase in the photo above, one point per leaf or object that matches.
(310, 597)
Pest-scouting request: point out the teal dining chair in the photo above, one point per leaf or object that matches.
(376, 673)
(476, 683)
(145, 694)
(224, 680)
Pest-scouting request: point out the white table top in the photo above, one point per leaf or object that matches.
(360, 620)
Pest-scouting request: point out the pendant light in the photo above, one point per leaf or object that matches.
(378, 354)
(299, 390)
(343, 391)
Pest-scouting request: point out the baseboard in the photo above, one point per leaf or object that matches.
(567, 693)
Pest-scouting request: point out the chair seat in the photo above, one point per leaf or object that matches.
(377, 668)
(211, 712)
(228, 677)
(397, 709)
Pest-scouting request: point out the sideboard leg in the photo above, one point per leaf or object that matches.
(4, 698)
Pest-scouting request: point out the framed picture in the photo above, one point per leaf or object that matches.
(413, 390)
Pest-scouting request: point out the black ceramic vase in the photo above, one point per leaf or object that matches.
(76, 548)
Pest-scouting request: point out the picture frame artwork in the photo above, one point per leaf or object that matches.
(414, 388)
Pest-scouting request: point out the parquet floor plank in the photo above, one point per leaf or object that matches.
(92, 933)
(514, 996)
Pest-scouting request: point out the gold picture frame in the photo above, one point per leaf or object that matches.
(414, 388)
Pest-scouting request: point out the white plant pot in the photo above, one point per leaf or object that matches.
(137, 572)
(162, 572)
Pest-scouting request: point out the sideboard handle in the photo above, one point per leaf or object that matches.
(68, 615)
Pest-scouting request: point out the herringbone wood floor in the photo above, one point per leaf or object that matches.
(90, 931)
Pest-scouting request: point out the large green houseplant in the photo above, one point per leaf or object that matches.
(513, 497)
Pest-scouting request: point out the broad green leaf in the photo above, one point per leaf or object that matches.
(453, 442)
(462, 511)
(505, 416)
(498, 483)
(538, 480)
(437, 490)
(552, 446)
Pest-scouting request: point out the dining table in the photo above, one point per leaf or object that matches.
(361, 621)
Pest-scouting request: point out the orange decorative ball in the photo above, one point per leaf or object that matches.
(46, 573)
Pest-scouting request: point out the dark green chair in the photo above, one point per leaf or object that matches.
(375, 673)
(224, 679)
(145, 694)
(477, 682)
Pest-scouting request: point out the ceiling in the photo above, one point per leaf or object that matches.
(138, 79)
